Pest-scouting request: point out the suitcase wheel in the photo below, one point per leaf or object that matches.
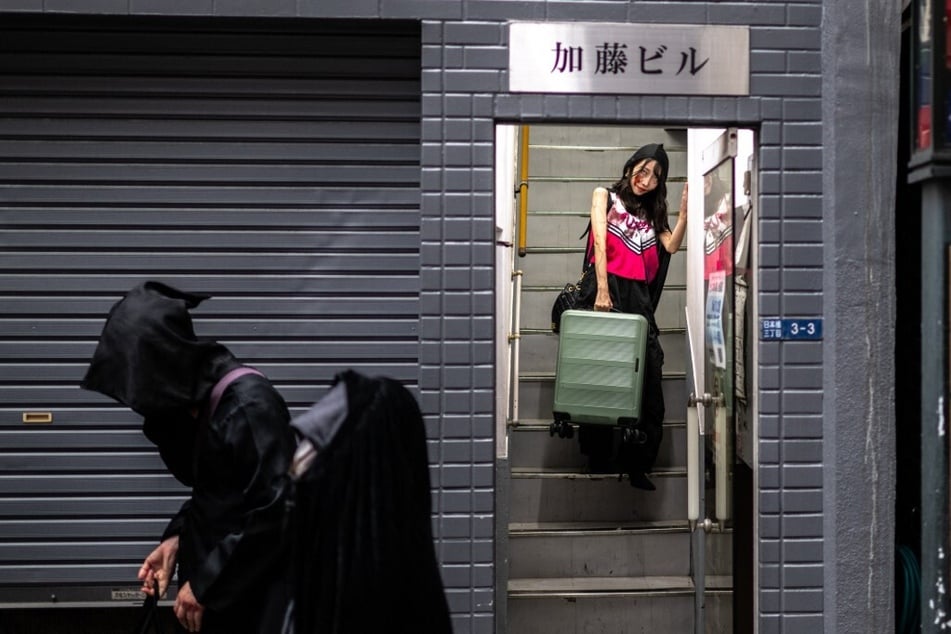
(634, 436)
(561, 427)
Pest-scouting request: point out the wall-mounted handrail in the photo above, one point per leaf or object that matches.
(522, 192)
(694, 434)
(515, 338)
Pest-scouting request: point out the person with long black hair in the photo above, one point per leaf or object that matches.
(630, 244)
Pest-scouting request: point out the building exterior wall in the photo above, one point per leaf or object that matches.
(857, 453)
(824, 505)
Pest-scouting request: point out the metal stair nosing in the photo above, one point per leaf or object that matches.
(529, 529)
(593, 587)
(573, 474)
(541, 424)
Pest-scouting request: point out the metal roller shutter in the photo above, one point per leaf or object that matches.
(272, 164)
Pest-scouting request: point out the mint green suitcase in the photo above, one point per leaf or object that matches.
(599, 377)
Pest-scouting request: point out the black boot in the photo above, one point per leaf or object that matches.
(639, 480)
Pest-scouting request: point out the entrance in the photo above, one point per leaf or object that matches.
(577, 547)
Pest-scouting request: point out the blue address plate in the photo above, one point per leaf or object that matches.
(790, 329)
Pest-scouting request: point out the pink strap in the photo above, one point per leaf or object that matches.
(222, 385)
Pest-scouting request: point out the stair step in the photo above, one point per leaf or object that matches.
(600, 550)
(555, 495)
(611, 549)
(531, 445)
(617, 606)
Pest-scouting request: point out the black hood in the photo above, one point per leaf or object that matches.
(654, 151)
(149, 358)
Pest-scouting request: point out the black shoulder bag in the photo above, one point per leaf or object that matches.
(578, 295)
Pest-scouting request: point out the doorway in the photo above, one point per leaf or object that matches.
(560, 536)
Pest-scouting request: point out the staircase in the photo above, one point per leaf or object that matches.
(589, 553)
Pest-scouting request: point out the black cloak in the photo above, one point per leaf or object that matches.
(362, 525)
(235, 460)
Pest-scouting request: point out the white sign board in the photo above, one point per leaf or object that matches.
(611, 58)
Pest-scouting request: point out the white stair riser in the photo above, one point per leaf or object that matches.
(640, 553)
(633, 554)
(625, 614)
(534, 447)
(596, 499)
(535, 399)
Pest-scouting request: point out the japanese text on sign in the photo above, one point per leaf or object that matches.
(790, 329)
(612, 58)
(628, 58)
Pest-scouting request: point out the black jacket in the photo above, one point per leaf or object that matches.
(235, 460)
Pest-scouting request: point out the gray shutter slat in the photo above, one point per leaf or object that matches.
(328, 329)
(361, 152)
(160, 129)
(76, 463)
(284, 348)
(129, 194)
(93, 552)
(57, 512)
(163, 263)
(86, 173)
(325, 283)
(298, 109)
(76, 527)
(53, 439)
(95, 302)
(181, 239)
(131, 483)
(328, 218)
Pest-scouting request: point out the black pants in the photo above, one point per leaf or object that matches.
(598, 442)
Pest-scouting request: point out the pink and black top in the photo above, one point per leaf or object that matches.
(630, 244)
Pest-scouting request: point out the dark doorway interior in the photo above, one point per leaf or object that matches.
(908, 360)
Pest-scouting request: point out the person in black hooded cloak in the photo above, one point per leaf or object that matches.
(630, 243)
(362, 541)
(226, 539)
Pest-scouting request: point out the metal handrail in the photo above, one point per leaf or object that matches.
(515, 338)
(694, 434)
(522, 192)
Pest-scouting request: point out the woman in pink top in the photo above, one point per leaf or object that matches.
(631, 243)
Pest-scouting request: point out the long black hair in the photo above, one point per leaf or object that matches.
(652, 205)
